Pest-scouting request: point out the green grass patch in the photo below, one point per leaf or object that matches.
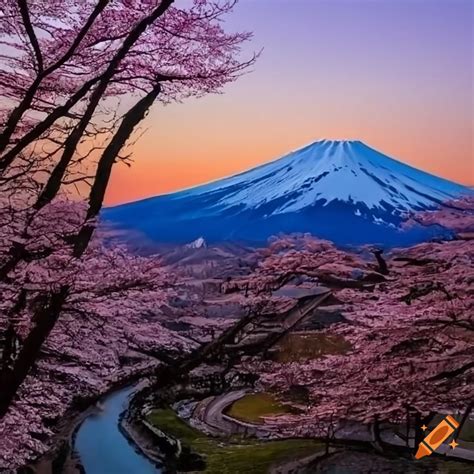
(299, 347)
(233, 455)
(254, 406)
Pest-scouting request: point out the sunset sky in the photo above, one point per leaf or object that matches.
(396, 74)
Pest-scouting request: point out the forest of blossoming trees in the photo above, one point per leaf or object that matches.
(409, 322)
(409, 319)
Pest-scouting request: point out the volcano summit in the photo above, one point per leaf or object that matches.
(339, 190)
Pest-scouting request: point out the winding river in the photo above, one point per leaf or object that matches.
(101, 446)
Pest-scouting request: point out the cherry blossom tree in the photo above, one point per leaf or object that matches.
(60, 126)
(110, 48)
(111, 325)
(410, 336)
(457, 215)
(290, 257)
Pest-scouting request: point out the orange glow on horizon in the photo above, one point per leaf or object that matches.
(172, 165)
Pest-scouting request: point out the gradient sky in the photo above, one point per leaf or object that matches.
(396, 74)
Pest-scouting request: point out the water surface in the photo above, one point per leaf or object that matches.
(101, 446)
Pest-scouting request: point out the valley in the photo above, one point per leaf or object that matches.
(270, 350)
(247, 393)
(320, 333)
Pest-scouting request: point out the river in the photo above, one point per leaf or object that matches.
(101, 446)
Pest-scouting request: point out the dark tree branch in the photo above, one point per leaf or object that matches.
(450, 374)
(420, 291)
(7, 159)
(18, 112)
(25, 16)
(96, 197)
(54, 182)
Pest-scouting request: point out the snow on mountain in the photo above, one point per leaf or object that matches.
(337, 189)
(199, 243)
(334, 170)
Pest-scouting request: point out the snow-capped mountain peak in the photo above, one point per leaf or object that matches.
(333, 170)
(199, 243)
(342, 190)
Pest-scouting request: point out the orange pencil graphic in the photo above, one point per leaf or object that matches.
(439, 434)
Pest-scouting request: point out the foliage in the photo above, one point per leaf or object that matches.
(230, 456)
(410, 333)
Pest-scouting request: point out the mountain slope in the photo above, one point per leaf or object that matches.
(340, 190)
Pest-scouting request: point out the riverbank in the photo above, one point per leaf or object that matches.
(141, 436)
(232, 454)
(200, 435)
(61, 455)
(248, 454)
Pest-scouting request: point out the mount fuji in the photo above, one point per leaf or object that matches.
(339, 190)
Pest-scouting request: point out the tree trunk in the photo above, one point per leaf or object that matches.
(465, 417)
(382, 264)
(11, 379)
(96, 197)
(419, 422)
(408, 427)
(376, 436)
